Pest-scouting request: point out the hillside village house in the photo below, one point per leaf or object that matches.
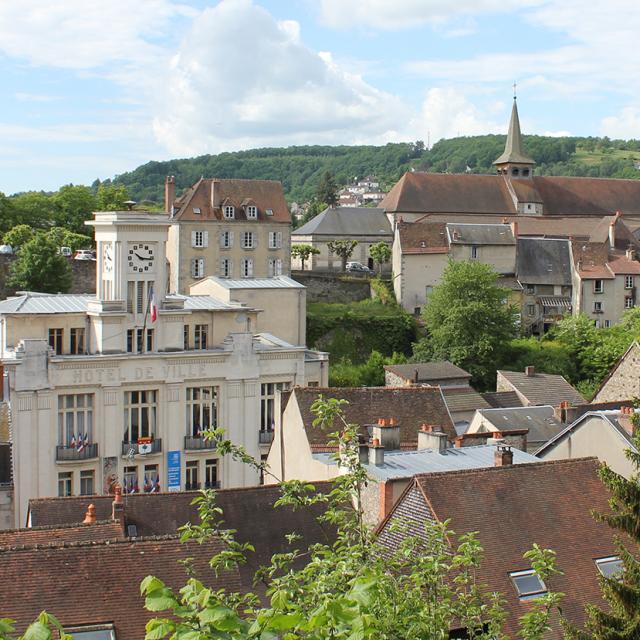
(118, 387)
(367, 226)
(227, 228)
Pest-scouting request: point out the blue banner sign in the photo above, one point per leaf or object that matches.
(173, 471)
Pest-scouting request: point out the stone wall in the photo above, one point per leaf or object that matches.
(6, 508)
(83, 276)
(624, 383)
(333, 287)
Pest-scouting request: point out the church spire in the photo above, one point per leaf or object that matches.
(514, 161)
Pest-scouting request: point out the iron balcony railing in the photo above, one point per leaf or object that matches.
(198, 442)
(64, 454)
(266, 437)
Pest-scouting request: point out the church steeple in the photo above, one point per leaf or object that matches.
(514, 161)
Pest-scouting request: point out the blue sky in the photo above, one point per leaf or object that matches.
(93, 88)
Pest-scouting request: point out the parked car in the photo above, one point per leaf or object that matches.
(358, 267)
(65, 251)
(83, 254)
(6, 249)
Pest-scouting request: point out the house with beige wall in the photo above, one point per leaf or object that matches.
(120, 387)
(227, 228)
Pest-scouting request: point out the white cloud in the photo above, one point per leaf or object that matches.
(624, 125)
(407, 14)
(241, 79)
(447, 112)
(35, 97)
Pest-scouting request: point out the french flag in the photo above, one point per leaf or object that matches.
(153, 309)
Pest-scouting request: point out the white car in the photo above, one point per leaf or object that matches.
(6, 249)
(65, 251)
(83, 254)
(357, 267)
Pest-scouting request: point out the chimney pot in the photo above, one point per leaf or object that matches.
(503, 456)
(497, 435)
(392, 422)
(457, 443)
(530, 371)
(117, 507)
(90, 517)
(169, 193)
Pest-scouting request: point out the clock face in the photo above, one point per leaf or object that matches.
(141, 257)
(107, 258)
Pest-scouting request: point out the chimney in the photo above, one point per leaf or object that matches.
(90, 517)
(457, 443)
(213, 194)
(117, 507)
(431, 437)
(503, 456)
(376, 453)
(560, 412)
(631, 253)
(612, 231)
(514, 229)
(387, 434)
(169, 193)
(415, 376)
(363, 452)
(530, 371)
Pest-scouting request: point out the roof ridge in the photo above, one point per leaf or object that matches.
(49, 527)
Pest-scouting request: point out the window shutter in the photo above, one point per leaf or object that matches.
(278, 267)
(193, 267)
(254, 239)
(231, 238)
(205, 239)
(230, 268)
(193, 238)
(222, 238)
(250, 267)
(279, 240)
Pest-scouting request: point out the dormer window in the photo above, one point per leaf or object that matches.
(525, 172)
(610, 567)
(252, 212)
(515, 171)
(229, 212)
(196, 210)
(528, 584)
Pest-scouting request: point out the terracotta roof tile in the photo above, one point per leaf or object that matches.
(427, 237)
(51, 535)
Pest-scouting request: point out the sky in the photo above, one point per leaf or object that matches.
(94, 88)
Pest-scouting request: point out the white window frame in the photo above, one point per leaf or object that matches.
(75, 417)
(268, 392)
(628, 302)
(65, 484)
(201, 337)
(252, 212)
(475, 252)
(598, 307)
(87, 476)
(199, 239)
(226, 239)
(229, 212)
(197, 267)
(211, 473)
(529, 595)
(226, 268)
(248, 240)
(275, 239)
(608, 561)
(275, 267)
(141, 411)
(202, 410)
(598, 286)
(246, 268)
(628, 282)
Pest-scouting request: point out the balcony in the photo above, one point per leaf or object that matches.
(212, 485)
(266, 437)
(133, 448)
(192, 486)
(198, 443)
(70, 454)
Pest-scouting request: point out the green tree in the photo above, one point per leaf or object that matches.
(75, 240)
(314, 208)
(35, 208)
(39, 267)
(343, 249)
(327, 189)
(74, 204)
(303, 252)
(469, 321)
(18, 236)
(8, 217)
(381, 253)
(111, 197)
(621, 620)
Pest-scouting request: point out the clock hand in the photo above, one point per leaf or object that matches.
(137, 255)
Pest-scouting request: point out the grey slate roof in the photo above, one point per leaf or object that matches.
(278, 282)
(347, 221)
(513, 148)
(487, 234)
(428, 371)
(458, 399)
(28, 302)
(540, 421)
(543, 388)
(499, 399)
(206, 303)
(406, 464)
(543, 261)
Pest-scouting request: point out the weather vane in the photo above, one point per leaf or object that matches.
(514, 90)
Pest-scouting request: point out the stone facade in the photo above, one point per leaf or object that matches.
(331, 287)
(623, 383)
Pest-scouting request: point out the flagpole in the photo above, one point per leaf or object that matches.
(146, 313)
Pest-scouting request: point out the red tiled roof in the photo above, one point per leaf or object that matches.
(99, 582)
(410, 406)
(423, 237)
(99, 531)
(265, 194)
(548, 503)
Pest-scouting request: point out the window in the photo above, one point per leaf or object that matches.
(139, 340)
(225, 268)
(65, 483)
(531, 309)
(528, 584)
(55, 340)
(531, 289)
(607, 324)
(268, 212)
(475, 253)
(140, 412)
(199, 239)
(129, 340)
(597, 307)
(628, 282)
(185, 337)
(87, 483)
(226, 239)
(428, 290)
(275, 239)
(248, 240)
(130, 480)
(92, 632)
(149, 339)
(197, 268)
(628, 303)
(151, 479)
(76, 341)
(140, 297)
(246, 268)
(211, 474)
(201, 333)
(229, 212)
(202, 410)
(267, 403)
(252, 212)
(598, 286)
(75, 419)
(196, 210)
(610, 567)
(275, 267)
(191, 480)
